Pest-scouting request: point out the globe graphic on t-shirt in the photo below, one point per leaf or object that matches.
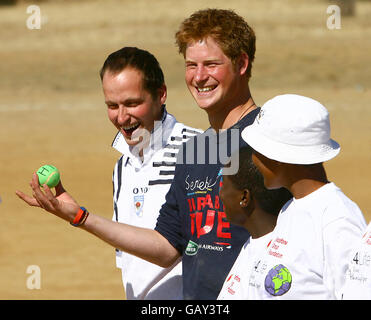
(278, 280)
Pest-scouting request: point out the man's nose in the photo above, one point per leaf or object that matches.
(123, 115)
(201, 73)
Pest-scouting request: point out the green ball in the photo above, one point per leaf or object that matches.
(48, 174)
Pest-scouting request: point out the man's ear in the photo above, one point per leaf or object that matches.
(162, 94)
(242, 63)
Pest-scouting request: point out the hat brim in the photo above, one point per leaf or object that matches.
(294, 154)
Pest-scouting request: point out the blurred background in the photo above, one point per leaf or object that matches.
(52, 111)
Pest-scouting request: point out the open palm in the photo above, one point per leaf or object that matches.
(61, 204)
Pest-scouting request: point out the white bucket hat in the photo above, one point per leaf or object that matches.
(292, 129)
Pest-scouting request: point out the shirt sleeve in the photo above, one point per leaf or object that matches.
(169, 222)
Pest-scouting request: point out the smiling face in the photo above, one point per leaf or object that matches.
(211, 77)
(131, 108)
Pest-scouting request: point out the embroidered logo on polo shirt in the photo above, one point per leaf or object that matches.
(138, 204)
(278, 280)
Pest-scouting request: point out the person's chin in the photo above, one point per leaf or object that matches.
(131, 142)
(205, 104)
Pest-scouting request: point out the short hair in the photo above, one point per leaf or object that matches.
(248, 177)
(141, 60)
(229, 30)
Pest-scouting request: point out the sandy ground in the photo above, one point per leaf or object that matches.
(52, 111)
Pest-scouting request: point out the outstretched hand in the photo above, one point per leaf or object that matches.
(61, 204)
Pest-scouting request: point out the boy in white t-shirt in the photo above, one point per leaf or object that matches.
(307, 253)
(249, 204)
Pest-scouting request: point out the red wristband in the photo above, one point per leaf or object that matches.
(80, 217)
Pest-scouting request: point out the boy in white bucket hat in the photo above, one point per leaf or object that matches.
(307, 254)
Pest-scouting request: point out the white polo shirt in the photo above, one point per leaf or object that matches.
(306, 255)
(139, 192)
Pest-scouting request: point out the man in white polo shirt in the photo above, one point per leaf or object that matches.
(135, 93)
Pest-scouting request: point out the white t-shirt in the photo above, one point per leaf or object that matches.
(139, 192)
(236, 284)
(358, 277)
(309, 250)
